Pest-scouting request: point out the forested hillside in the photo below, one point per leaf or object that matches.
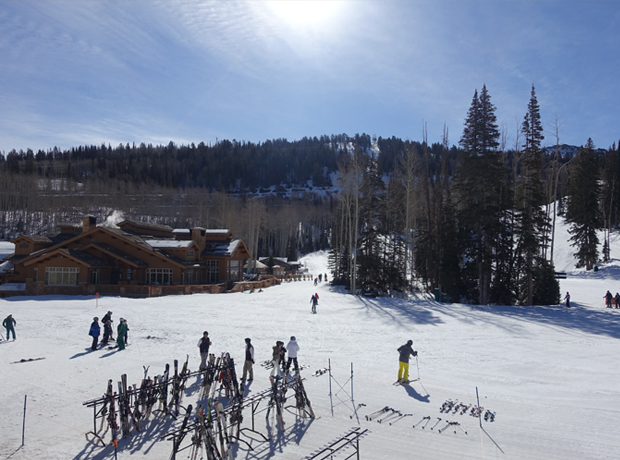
(474, 221)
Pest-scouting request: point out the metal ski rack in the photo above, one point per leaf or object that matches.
(349, 439)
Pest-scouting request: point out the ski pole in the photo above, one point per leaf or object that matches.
(417, 365)
(423, 418)
(400, 418)
(437, 423)
(377, 412)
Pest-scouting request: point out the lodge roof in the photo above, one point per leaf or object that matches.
(220, 248)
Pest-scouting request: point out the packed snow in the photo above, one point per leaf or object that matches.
(550, 373)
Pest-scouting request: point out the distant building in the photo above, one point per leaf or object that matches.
(88, 258)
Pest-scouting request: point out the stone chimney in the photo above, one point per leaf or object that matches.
(88, 223)
(198, 236)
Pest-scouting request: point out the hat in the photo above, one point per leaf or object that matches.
(109, 313)
(95, 319)
(205, 332)
(293, 337)
(122, 319)
(247, 340)
(409, 342)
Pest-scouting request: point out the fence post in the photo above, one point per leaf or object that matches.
(24, 424)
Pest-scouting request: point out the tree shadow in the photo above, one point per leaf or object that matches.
(577, 317)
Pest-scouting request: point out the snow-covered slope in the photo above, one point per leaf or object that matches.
(549, 373)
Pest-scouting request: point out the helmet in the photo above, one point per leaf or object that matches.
(409, 342)
(248, 340)
(293, 337)
(205, 333)
(95, 319)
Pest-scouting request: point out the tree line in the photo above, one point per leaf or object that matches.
(474, 220)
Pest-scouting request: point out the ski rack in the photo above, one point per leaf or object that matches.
(342, 389)
(350, 439)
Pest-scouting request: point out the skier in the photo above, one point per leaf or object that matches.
(203, 345)
(292, 348)
(282, 360)
(608, 298)
(275, 359)
(121, 331)
(325, 277)
(94, 332)
(617, 300)
(249, 360)
(403, 361)
(126, 332)
(313, 301)
(9, 324)
(107, 328)
(567, 298)
(316, 280)
(320, 277)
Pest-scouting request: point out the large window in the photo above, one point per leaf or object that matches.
(62, 276)
(159, 276)
(234, 269)
(213, 271)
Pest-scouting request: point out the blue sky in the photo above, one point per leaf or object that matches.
(90, 72)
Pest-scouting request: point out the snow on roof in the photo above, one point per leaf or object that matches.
(223, 249)
(6, 266)
(216, 230)
(169, 243)
(12, 287)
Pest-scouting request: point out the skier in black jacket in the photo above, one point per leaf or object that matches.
(403, 361)
(203, 344)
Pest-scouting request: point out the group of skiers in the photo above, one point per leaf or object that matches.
(121, 331)
(610, 298)
(320, 278)
(278, 356)
(9, 324)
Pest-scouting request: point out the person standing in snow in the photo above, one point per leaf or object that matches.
(126, 332)
(203, 345)
(403, 361)
(608, 298)
(121, 330)
(567, 298)
(107, 328)
(617, 300)
(249, 361)
(293, 349)
(275, 359)
(313, 301)
(282, 360)
(9, 324)
(94, 332)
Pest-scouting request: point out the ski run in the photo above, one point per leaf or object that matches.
(497, 382)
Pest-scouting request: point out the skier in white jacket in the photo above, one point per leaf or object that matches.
(292, 348)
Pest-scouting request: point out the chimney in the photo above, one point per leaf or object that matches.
(198, 236)
(88, 223)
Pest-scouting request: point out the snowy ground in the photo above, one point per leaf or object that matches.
(550, 373)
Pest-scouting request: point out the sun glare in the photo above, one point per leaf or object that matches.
(303, 12)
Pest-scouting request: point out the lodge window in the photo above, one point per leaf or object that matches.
(62, 276)
(159, 276)
(129, 274)
(35, 274)
(234, 269)
(190, 254)
(213, 271)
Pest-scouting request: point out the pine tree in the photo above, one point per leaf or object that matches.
(533, 221)
(583, 211)
(478, 195)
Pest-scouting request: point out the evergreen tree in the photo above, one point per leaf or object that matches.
(478, 195)
(533, 221)
(583, 211)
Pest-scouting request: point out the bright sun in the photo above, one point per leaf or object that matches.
(303, 12)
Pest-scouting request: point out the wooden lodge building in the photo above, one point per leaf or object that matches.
(134, 259)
